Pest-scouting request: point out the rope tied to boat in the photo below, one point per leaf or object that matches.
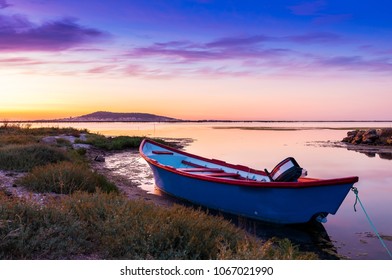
(357, 199)
(355, 190)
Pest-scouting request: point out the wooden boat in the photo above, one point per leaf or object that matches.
(280, 196)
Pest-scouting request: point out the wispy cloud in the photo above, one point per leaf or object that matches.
(315, 37)
(308, 8)
(357, 63)
(238, 41)
(331, 18)
(315, 10)
(220, 49)
(4, 4)
(101, 69)
(253, 55)
(19, 61)
(18, 33)
(236, 47)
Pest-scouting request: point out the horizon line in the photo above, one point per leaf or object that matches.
(182, 121)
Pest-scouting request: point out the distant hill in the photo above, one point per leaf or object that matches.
(102, 116)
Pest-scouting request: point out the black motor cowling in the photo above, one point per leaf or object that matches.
(288, 170)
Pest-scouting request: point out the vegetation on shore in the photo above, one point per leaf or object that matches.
(109, 226)
(94, 221)
(65, 178)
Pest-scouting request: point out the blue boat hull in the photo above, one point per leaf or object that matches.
(277, 205)
(241, 190)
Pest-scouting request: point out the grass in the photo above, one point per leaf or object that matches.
(65, 178)
(26, 157)
(108, 226)
(118, 142)
(29, 231)
(20, 129)
(113, 143)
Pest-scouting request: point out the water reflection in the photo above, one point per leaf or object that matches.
(370, 151)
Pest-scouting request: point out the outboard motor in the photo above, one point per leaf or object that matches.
(288, 170)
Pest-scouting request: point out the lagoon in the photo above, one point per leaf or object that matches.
(263, 144)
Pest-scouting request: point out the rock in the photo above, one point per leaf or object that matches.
(380, 136)
(352, 133)
(99, 158)
(81, 146)
(358, 137)
(83, 137)
(51, 140)
(385, 132)
(369, 136)
(348, 139)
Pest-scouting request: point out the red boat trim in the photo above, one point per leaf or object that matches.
(302, 182)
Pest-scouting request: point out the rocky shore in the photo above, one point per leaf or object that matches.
(370, 142)
(380, 136)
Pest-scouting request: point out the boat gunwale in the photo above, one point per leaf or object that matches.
(304, 183)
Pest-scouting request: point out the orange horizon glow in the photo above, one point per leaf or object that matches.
(195, 99)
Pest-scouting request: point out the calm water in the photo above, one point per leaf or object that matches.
(349, 231)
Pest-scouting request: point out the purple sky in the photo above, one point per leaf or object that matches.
(317, 51)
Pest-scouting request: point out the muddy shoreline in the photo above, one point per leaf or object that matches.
(129, 173)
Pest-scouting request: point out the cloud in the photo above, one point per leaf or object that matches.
(307, 8)
(357, 63)
(314, 9)
(4, 4)
(332, 19)
(315, 37)
(19, 61)
(228, 48)
(101, 69)
(219, 49)
(18, 33)
(238, 41)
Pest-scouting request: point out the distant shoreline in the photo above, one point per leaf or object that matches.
(195, 121)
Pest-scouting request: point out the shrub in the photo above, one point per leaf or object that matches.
(121, 142)
(113, 143)
(29, 231)
(18, 129)
(22, 139)
(66, 178)
(109, 226)
(25, 157)
(127, 229)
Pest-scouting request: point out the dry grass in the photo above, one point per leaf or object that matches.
(66, 178)
(109, 226)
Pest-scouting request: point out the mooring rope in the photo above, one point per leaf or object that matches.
(357, 199)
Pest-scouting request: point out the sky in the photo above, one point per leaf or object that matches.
(197, 59)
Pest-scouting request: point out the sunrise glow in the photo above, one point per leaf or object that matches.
(194, 59)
